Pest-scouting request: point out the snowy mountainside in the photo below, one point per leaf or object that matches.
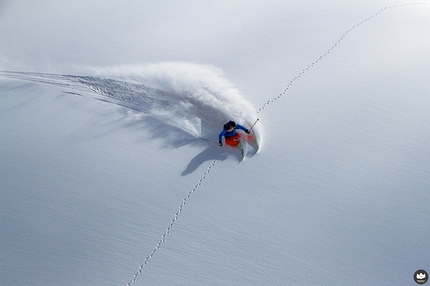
(120, 189)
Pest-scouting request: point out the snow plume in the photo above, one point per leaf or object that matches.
(181, 101)
(196, 98)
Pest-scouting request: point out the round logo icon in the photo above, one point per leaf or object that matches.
(421, 276)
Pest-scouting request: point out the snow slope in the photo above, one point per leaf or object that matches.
(104, 181)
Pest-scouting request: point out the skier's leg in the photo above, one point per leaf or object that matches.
(233, 140)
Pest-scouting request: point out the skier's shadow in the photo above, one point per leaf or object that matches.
(212, 153)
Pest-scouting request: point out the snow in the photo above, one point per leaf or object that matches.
(103, 178)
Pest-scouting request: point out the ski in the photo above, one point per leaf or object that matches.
(242, 150)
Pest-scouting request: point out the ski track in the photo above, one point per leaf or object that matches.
(167, 232)
(139, 97)
(196, 99)
(331, 49)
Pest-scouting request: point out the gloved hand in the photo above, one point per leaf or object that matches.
(247, 131)
(220, 143)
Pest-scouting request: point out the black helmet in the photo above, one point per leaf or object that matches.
(230, 124)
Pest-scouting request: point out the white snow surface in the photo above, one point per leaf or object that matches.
(104, 180)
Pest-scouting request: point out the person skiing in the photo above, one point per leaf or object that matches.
(230, 134)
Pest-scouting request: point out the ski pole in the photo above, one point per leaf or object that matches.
(204, 139)
(253, 125)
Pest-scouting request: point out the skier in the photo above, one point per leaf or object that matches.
(230, 134)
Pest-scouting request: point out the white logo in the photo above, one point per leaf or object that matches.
(421, 276)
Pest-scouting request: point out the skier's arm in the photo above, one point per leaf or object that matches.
(238, 126)
(221, 135)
